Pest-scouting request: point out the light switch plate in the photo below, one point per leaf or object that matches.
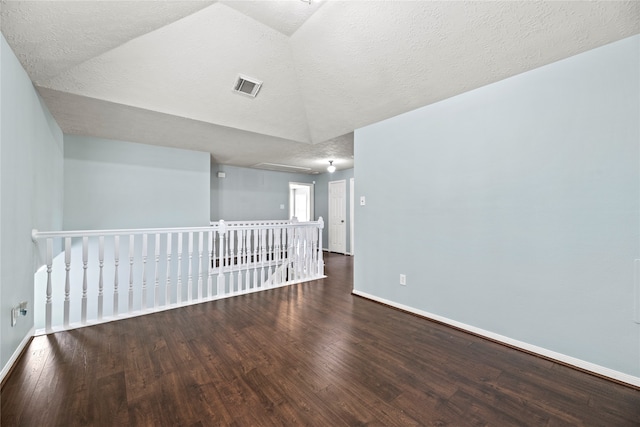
(362, 201)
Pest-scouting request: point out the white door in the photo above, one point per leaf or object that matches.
(337, 216)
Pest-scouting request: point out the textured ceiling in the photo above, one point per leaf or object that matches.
(161, 72)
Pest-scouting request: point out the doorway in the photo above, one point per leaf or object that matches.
(337, 216)
(301, 201)
(351, 216)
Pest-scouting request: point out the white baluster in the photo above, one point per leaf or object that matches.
(267, 258)
(222, 229)
(49, 290)
(190, 271)
(239, 263)
(309, 251)
(212, 251)
(200, 250)
(231, 260)
(283, 255)
(144, 271)
(272, 264)
(290, 254)
(167, 286)
(293, 257)
(247, 258)
(179, 287)
(116, 262)
(256, 242)
(263, 253)
(320, 253)
(277, 276)
(67, 283)
(156, 289)
(100, 276)
(303, 252)
(273, 261)
(299, 260)
(85, 260)
(314, 251)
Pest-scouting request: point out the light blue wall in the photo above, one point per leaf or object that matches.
(117, 184)
(515, 207)
(31, 158)
(251, 194)
(322, 201)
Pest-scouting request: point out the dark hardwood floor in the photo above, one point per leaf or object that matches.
(310, 354)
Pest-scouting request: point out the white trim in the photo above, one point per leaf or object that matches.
(636, 290)
(344, 213)
(16, 354)
(569, 360)
(312, 197)
(351, 215)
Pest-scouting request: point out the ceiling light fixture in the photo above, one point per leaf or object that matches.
(331, 168)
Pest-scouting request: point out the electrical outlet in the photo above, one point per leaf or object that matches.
(403, 280)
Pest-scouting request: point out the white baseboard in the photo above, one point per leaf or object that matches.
(346, 253)
(563, 358)
(16, 354)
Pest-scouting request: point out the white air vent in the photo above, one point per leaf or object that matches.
(281, 168)
(247, 86)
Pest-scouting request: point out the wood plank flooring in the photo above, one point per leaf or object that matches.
(310, 354)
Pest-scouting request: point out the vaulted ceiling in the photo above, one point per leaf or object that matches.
(162, 72)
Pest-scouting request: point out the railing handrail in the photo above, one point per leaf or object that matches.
(255, 222)
(38, 235)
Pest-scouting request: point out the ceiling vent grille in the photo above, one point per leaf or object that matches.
(281, 168)
(247, 86)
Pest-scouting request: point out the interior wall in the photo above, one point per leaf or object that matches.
(252, 194)
(118, 184)
(31, 190)
(515, 208)
(322, 202)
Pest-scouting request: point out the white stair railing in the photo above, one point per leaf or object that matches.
(85, 283)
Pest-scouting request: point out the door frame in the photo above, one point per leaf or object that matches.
(311, 197)
(344, 215)
(351, 215)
